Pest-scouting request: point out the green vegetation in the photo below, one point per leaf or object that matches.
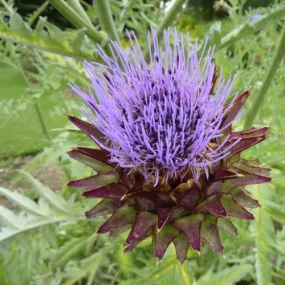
(44, 236)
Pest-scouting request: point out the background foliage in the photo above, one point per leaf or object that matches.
(44, 236)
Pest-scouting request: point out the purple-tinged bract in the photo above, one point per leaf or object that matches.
(169, 164)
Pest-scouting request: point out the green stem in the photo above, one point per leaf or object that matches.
(42, 122)
(37, 13)
(7, 7)
(167, 21)
(75, 4)
(106, 19)
(169, 17)
(66, 109)
(73, 17)
(38, 109)
(279, 53)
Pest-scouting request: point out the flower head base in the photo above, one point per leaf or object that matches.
(169, 159)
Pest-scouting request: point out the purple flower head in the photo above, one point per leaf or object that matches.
(170, 165)
(162, 117)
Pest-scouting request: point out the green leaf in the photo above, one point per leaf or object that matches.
(23, 202)
(163, 269)
(10, 218)
(228, 276)
(246, 29)
(263, 264)
(36, 13)
(184, 274)
(52, 40)
(69, 251)
(77, 20)
(3, 273)
(79, 39)
(35, 215)
(88, 268)
(126, 261)
(6, 234)
(276, 212)
(215, 33)
(55, 200)
(18, 25)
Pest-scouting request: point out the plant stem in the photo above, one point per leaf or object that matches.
(37, 13)
(167, 21)
(42, 122)
(7, 7)
(169, 17)
(75, 4)
(279, 53)
(38, 109)
(76, 20)
(106, 19)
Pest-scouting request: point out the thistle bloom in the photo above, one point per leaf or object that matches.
(169, 163)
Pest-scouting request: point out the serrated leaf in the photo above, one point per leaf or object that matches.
(17, 24)
(185, 275)
(215, 33)
(23, 202)
(275, 211)
(87, 268)
(228, 276)
(69, 251)
(57, 36)
(79, 39)
(159, 273)
(10, 218)
(39, 38)
(56, 201)
(6, 234)
(247, 29)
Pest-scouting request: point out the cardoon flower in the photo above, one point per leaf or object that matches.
(169, 164)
